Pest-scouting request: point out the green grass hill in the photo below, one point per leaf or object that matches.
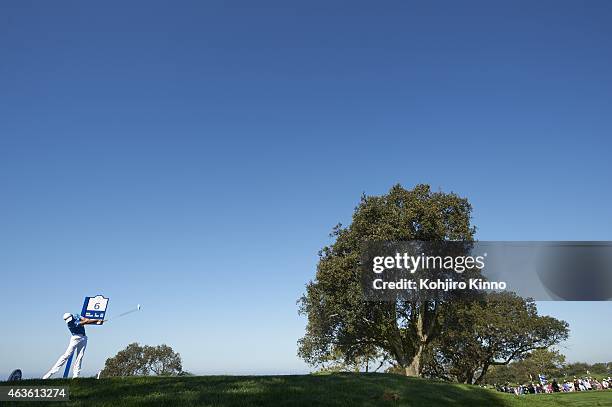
(307, 390)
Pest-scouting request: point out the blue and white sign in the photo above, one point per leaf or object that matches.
(95, 307)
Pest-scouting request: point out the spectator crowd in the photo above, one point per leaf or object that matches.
(577, 384)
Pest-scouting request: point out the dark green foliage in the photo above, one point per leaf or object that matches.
(582, 369)
(136, 360)
(551, 364)
(498, 329)
(541, 361)
(127, 362)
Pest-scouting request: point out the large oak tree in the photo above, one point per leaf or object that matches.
(339, 317)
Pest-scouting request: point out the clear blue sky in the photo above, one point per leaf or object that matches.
(193, 156)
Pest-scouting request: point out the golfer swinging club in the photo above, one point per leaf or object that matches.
(78, 343)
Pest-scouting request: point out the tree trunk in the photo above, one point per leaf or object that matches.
(414, 368)
(464, 375)
(482, 374)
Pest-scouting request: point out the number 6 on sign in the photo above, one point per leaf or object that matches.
(95, 307)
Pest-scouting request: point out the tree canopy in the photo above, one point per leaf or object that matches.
(495, 330)
(137, 360)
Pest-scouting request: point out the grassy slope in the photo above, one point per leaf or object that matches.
(330, 390)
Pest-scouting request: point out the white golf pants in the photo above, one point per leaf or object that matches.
(77, 344)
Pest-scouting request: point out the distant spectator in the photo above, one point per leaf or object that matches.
(555, 386)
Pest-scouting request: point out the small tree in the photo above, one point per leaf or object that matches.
(498, 330)
(127, 362)
(502, 374)
(162, 360)
(136, 360)
(550, 363)
(540, 361)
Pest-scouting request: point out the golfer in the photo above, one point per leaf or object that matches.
(78, 343)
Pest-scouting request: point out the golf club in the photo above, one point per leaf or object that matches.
(138, 307)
